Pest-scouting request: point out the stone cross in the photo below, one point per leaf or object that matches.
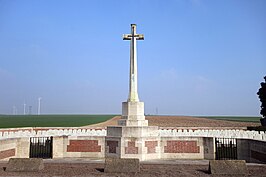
(133, 77)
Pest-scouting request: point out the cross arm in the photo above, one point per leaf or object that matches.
(127, 36)
(140, 36)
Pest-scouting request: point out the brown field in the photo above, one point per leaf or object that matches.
(182, 121)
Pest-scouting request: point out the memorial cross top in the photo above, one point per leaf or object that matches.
(133, 75)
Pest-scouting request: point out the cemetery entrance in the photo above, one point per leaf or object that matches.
(41, 147)
(225, 149)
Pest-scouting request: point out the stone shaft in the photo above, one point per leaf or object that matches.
(133, 74)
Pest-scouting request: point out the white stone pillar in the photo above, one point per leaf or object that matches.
(133, 75)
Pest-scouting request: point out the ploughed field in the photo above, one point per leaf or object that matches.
(187, 121)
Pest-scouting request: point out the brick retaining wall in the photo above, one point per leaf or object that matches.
(83, 146)
(151, 146)
(178, 146)
(7, 153)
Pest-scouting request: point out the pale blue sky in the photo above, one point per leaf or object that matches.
(199, 57)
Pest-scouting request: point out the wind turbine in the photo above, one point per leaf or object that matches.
(24, 108)
(39, 105)
(30, 108)
(14, 110)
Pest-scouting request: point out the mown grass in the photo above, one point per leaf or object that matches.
(234, 118)
(13, 121)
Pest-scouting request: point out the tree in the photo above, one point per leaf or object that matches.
(262, 97)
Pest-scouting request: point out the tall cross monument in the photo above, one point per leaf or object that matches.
(133, 76)
(133, 109)
(132, 135)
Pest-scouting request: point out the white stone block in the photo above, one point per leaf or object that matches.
(83, 132)
(74, 132)
(61, 132)
(39, 133)
(122, 131)
(264, 137)
(104, 132)
(70, 132)
(258, 137)
(161, 132)
(5, 134)
(132, 108)
(11, 135)
(133, 114)
(175, 133)
(78, 132)
(66, 132)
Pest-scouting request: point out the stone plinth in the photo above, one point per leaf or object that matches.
(228, 167)
(116, 165)
(133, 114)
(141, 142)
(24, 165)
(132, 131)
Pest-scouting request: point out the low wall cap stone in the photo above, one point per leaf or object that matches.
(24, 165)
(228, 167)
(121, 165)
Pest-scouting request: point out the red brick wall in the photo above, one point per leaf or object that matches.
(151, 145)
(112, 146)
(7, 153)
(83, 146)
(131, 149)
(178, 146)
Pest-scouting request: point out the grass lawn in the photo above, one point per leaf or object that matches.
(234, 118)
(13, 121)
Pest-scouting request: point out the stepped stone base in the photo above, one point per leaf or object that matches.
(124, 122)
(140, 142)
(133, 114)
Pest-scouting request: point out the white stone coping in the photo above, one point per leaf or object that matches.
(233, 133)
(45, 132)
(163, 131)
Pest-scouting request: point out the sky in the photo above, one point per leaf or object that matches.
(199, 57)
